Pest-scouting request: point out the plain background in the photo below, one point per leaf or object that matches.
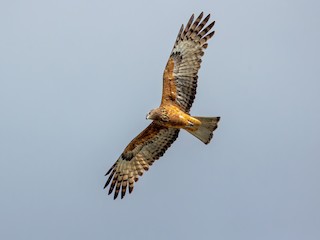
(77, 79)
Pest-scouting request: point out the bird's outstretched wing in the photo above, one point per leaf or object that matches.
(181, 73)
(138, 156)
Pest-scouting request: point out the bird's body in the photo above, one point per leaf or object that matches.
(179, 90)
(172, 117)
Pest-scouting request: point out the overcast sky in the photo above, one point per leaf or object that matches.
(77, 79)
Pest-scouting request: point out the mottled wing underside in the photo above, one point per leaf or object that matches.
(138, 156)
(181, 72)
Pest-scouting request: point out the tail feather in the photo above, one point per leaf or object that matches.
(205, 131)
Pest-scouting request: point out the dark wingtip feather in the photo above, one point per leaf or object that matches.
(112, 186)
(179, 34)
(109, 179)
(192, 17)
(208, 36)
(189, 22)
(199, 17)
(123, 194)
(130, 189)
(110, 170)
(206, 19)
(207, 29)
(115, 195)
(210, 25)
(186, 29)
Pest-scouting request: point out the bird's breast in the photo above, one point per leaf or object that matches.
(179, 119)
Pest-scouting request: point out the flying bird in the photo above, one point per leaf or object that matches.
(178, 93)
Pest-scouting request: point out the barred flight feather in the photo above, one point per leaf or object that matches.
(186, 55)
(147, 147)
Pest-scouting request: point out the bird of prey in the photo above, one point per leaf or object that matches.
(179, 90)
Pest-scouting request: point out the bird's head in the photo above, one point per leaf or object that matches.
(158, 114)
(154, 114)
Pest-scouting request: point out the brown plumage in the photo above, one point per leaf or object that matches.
(179, 90)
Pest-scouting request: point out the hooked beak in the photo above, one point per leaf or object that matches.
(147, 117)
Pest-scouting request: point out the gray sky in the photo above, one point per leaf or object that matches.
(77, 79)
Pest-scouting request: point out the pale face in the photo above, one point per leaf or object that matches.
(153, 114)
(149, 115)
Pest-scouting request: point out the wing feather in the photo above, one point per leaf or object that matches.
(185, 32)
(138, 156)
(181, 73)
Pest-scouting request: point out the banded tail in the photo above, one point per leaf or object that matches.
(205, 131)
